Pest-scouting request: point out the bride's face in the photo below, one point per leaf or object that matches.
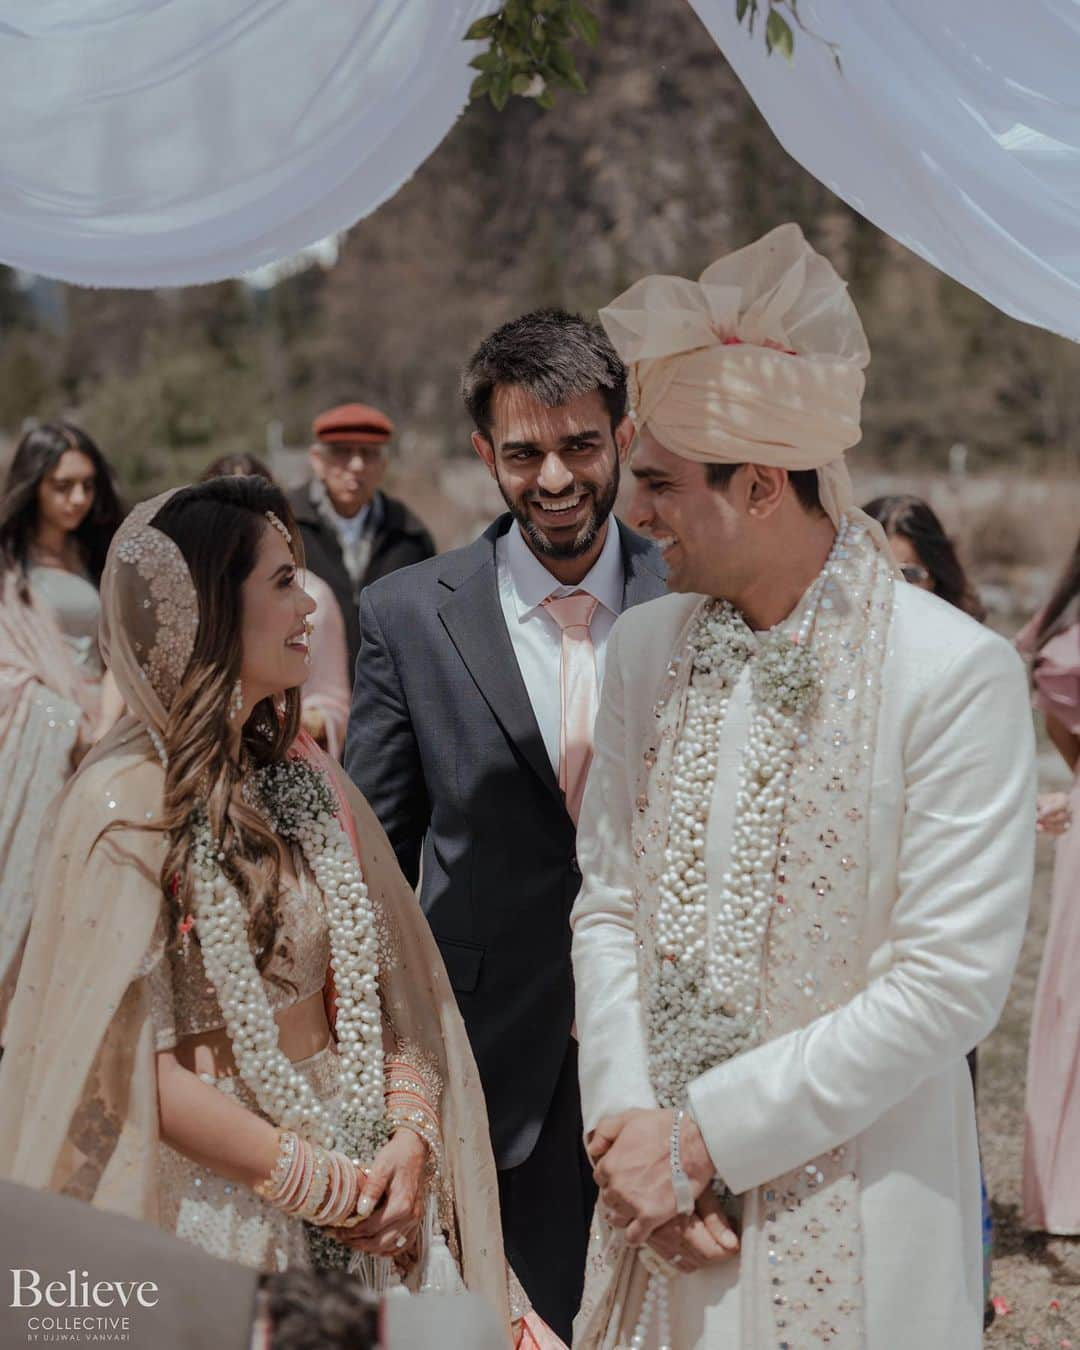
(274, 634)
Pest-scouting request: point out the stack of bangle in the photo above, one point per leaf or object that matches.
(408, 1105)
(313, 1183)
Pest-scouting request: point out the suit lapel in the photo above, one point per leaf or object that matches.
(473, 618)
(643, 569)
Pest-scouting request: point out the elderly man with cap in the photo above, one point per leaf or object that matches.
(354, 533)
(805, 848)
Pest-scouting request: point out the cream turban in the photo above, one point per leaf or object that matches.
(760, 362)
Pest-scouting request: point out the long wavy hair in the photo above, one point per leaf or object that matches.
(36, 455)
(218, 526)
(1063, 607)
(916, 521)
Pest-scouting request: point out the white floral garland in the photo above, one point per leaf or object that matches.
(704, 1003)
(301, 807)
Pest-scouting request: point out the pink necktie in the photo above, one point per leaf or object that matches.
(577, 672)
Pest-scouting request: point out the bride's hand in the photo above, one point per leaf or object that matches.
(392, 1200)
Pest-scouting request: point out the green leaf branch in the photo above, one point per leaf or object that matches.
(529, 54)
(782, 18)
(529, 50)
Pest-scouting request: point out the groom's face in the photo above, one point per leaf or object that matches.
(700, 530)
(557, 468)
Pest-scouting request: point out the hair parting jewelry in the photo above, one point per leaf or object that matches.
(281, 527)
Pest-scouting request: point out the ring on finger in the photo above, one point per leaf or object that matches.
(401, 1241)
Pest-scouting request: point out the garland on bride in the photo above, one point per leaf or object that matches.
(299, 803)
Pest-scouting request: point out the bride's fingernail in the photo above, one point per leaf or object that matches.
(730, 1241)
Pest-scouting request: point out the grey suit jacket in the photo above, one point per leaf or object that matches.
(444, 744)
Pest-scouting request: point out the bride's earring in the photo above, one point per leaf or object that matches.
(236, 702)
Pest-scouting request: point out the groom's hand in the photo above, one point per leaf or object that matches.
(632, 1168)
(704, 1238)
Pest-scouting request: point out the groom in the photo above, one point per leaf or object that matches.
(806, 849)
(470, 735)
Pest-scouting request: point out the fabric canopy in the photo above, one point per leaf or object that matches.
(165, 142)
(954, 126)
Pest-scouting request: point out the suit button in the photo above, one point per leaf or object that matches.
(575, 870)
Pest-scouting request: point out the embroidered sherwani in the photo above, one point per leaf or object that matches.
(951, 837)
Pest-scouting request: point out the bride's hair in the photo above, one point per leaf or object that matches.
(217, 526)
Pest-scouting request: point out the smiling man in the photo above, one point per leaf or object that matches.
(806, 849)
(471, 735)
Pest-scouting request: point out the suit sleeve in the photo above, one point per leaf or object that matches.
(613, 1059)
(381, 753)
(964, 880)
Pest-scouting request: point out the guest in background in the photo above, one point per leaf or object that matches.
(925, 553)
(1051, 1189)
(353, 532)
(325, 698)
(927, 558)
(58, 514)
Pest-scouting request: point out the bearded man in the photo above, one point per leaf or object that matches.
(476, 690)
(806, 848)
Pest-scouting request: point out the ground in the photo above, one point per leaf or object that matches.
(1032, 1273)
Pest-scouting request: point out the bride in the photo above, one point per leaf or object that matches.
(178, 1050)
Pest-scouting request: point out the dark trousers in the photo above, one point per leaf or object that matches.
(547, 1203)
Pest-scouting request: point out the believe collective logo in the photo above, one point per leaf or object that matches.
(91, 1312)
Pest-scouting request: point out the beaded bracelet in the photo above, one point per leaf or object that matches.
(312, 1183)
(407, 1104)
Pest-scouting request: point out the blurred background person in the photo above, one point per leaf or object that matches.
(325, 696)
(1051, 1186)
(925, 553)
(58, 513)
(927, 557)
(353, 532)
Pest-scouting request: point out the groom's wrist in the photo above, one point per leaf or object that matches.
(697, 1164)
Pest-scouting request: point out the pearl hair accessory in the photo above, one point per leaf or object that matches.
(236, 701)
(281, 527)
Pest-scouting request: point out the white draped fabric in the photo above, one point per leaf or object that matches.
(954, 127)
(167, 142)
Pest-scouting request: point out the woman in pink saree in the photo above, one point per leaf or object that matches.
(233, 1020)
(58, 514)
(1051, 1188)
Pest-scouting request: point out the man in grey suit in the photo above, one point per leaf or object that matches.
(470, 735)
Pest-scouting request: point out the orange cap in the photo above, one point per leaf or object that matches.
(352, 423)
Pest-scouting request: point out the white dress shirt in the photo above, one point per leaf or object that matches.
(524, 584)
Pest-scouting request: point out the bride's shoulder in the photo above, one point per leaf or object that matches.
(120, 784)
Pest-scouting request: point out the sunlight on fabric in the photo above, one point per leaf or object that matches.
(951, 127)
(157, 144)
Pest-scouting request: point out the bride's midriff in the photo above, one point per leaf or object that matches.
(302, 1031)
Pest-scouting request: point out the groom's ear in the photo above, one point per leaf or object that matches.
(485, 450)
(624, 434)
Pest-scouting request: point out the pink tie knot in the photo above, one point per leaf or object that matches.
(572, 611)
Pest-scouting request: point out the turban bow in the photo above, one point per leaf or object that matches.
(760, 361)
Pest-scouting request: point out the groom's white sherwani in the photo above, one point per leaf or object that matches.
(951, 839)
